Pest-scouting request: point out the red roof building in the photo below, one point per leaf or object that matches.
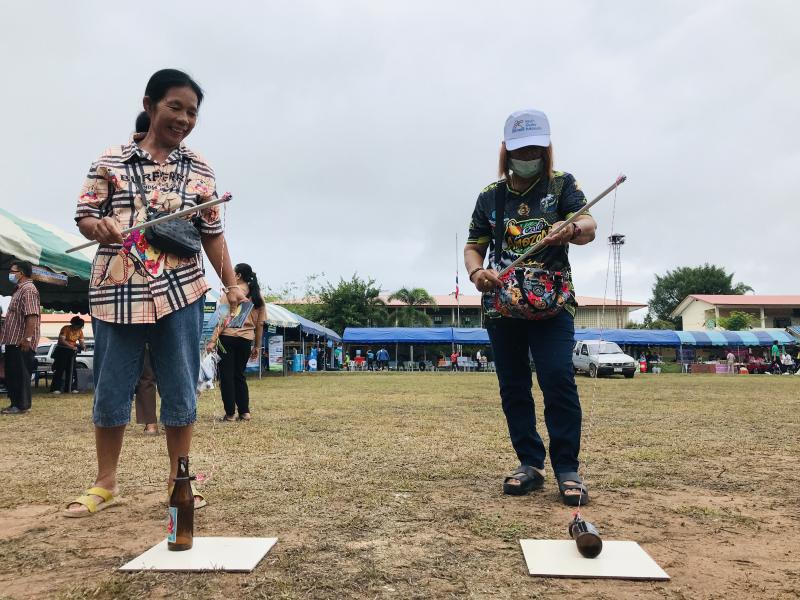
(703, 311)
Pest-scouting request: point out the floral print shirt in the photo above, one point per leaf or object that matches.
(135, 283)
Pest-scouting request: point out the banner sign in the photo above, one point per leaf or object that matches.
(47, 276)
(275, 353)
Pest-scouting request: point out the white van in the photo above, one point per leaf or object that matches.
(602, 358)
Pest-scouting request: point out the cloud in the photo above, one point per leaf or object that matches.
(356, 136)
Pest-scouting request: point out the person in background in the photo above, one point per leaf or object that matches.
(337, 358)
(235, 336)
(731, 358)
(787, 364)
(383, 359)
(454, 361)
(139, 294)
(20, 335)
(370, 360)
(775, 358)
(145, 397)
(70, 342)
(321, 357)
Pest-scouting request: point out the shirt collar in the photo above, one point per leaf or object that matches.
(132, 149)
(527, 191)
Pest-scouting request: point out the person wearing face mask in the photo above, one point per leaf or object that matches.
(239, 340)
(20, 335)
(537, 200)
(141, 296)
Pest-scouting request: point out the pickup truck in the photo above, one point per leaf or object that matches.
(84, 360)
(602, 358)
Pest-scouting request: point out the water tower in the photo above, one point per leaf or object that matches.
(616, 240)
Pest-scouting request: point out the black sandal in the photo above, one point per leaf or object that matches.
(529, 479)
(581, 499)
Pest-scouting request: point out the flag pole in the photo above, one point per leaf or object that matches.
(458, 295)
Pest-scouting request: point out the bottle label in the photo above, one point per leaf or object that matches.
(172, 525)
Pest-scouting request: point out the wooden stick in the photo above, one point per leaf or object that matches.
(169, 217)
(538, 245)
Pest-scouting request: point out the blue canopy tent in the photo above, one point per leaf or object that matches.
(308, 326)
(398, 335)
(667, 337)
(470, 335)
(631, 337)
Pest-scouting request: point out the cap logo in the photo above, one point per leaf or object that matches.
(525, 125)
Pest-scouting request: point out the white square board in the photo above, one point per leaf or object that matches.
(206, 554)
(618, 560)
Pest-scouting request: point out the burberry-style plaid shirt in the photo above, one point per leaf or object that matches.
(135, 283)
(24, 303)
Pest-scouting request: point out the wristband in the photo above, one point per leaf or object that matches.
(475, 270)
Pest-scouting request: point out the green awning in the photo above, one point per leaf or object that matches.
(45, 245)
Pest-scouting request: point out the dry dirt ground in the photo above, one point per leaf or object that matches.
(389, 486)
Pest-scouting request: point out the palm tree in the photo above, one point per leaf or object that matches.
(410, 315)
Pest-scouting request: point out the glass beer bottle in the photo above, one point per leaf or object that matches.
(588, 540)
(180, 531)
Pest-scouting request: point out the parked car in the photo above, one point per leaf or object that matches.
(602, 358)
(758, 366)
(84, 360)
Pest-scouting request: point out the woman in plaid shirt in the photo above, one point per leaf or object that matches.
(140, 295)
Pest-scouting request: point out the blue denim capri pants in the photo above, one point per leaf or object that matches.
(174, 342)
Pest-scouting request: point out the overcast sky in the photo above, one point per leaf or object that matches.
(355, 136)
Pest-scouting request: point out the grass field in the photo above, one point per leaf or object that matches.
(389, 486)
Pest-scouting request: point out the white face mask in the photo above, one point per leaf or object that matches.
(527, 169)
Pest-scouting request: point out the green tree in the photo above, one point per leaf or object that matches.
(670, 289)
(353, 303)
(291, 290)
(650, 323)
(737, 321)
(410, 315)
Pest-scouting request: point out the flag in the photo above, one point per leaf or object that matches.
(456, 286)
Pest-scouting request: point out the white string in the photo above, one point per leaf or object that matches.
(592, 402)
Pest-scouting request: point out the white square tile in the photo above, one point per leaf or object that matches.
(206, 554)
(618, 560)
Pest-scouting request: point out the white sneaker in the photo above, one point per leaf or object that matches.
(56, 392)
(75, 392)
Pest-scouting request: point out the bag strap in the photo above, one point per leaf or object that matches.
(499, 220)
(139, 186)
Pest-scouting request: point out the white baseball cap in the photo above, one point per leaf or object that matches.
(526, 128)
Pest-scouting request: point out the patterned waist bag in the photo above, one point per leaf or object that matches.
(527, 293)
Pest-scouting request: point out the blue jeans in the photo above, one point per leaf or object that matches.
(174, 343)
(550, 342)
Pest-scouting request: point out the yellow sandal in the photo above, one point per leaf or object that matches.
(92, 506)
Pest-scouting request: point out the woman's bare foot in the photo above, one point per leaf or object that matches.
(77, 507)
(513, 481)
